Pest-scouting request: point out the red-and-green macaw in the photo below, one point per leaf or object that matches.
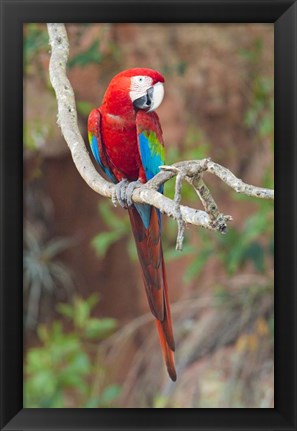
(126, 140)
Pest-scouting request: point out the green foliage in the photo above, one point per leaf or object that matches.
(90, 55)
(35, 40)
(84, 107)
(35, 134)
(251, 243)
(259, 117)
(240, 246)
(63, 369)
(119, 228)
(79, 314)
(253, 55)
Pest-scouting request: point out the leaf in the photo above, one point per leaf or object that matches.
(43, 382)
(234, 257)
(35, 40)
(92, 300)
(266, 126)
(103, 241)
(91, 55)
(255, 253)
(66, 310)
(111, 218)
(132, 250)
(43, 334)
(110, 393)
(93, 403)
(254, 226)
(84, 108)
(81, 312)
(65, 360)
(100, 328)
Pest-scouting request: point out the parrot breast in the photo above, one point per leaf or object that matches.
(120, 140)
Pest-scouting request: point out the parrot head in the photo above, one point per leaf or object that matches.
(135, 89)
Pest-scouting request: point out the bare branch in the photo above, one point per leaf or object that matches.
(192, 171)
(180, 223)
(235, 183)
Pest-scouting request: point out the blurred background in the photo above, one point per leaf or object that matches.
(89, 339)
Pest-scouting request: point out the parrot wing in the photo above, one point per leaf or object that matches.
(150, 143)
(152, 154)
(94, 135)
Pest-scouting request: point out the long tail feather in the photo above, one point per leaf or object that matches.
(150, 253)
(168, 354)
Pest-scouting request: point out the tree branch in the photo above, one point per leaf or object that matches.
(192, 171)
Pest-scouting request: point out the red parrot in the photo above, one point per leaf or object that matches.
(126, 140)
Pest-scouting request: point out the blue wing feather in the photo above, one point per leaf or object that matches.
(151, 159)
(151, 149)
(95, 150)
(96, 142)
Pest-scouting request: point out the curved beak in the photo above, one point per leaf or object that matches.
(152, 99)
(158, 95)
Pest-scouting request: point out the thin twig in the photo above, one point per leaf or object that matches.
(180, 223)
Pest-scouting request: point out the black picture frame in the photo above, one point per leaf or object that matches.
(283, 13)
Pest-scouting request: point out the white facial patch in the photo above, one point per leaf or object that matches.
(139, 86)
(158, 96)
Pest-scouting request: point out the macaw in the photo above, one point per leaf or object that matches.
(126, 140)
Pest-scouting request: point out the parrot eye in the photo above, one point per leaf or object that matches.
(140, 79)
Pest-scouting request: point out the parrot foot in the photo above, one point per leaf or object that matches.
(119, 195)
(130, 189)
(123, 193)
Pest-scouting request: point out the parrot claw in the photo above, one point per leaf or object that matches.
(119, 195)
(129, 191)
(123, 193)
